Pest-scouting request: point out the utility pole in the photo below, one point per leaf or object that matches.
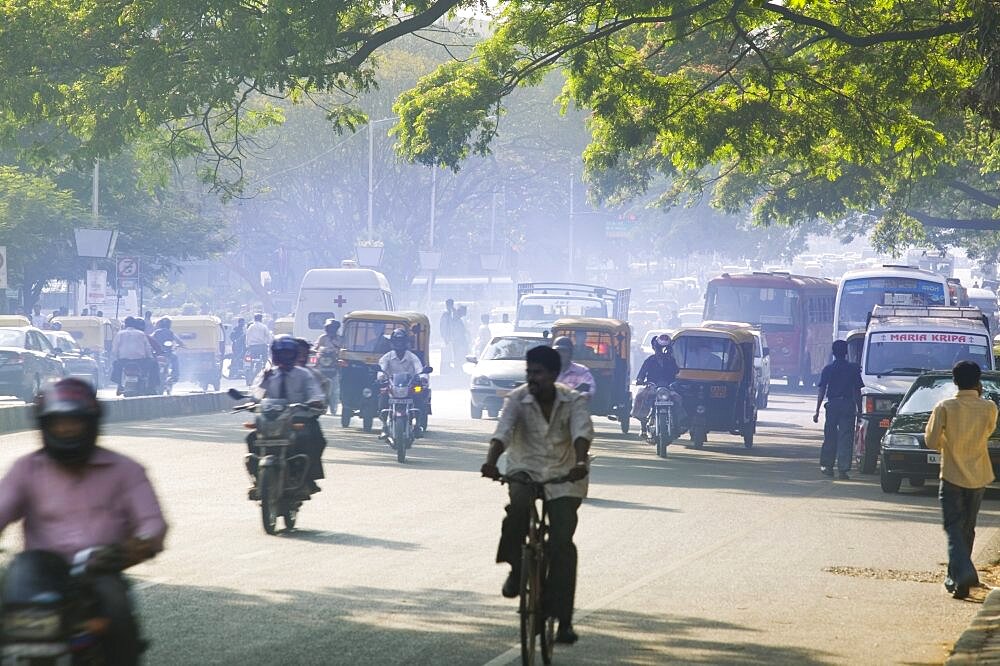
(95, 191)
(371, 183)
(493, 220)
(572, 225)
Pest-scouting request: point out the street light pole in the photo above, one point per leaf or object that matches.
(95, 191)
(371, 183)
(572, 226)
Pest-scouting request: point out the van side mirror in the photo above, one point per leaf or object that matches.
(472, 359)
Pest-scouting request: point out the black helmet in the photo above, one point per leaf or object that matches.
(75, 399)
(662, 341)
(400, 339)
(164, 322)
(284, 350)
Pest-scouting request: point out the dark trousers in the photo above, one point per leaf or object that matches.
(122, 641)
(838, 434)
(310, 442)
(960, 508)
(560, 586)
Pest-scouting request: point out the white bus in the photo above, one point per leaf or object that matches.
(860, 291)
(334, 292)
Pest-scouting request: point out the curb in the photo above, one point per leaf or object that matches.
(980, 642)
(21, 417)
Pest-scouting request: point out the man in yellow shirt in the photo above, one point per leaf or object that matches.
(960, 429)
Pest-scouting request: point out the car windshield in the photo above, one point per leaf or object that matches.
(928, 392)
(755, 305)
(859, 296)
(63, 342)
(509, 349)
(706, 353)
(11, 338)
(912, 353)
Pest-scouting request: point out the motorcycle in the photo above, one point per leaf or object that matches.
(167, 379)
(403, 417)
(327, 363)
(666, 423)
(253, 365)
(49, 613)
(133, 381)
(278, 477)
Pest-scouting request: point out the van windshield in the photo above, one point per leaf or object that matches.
(543, 310)
(910, 353)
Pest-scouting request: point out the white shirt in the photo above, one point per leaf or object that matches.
(299, 385)
(258, 334)
(130, 344)
(544, 449)
(393, 365)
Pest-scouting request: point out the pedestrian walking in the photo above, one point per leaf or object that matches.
(960, 429)
(840, 384)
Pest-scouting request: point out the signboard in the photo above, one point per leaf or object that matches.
(128, 284)
(97, 287)
(3, 267)
(943, 338)
(128, 268)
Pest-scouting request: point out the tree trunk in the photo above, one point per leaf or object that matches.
(253, 281)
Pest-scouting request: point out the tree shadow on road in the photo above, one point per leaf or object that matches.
(367, 625)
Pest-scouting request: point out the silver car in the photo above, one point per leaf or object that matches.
(498, 370)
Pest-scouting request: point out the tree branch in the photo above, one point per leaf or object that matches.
(416, 22)
(978, 224)
(975, 193)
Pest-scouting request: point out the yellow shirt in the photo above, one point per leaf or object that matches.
(960, 428)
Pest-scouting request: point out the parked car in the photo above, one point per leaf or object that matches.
(77, 362)
(498, 370)
(27, 362)
(904, 453)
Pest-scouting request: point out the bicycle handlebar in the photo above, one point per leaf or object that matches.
(512, 479)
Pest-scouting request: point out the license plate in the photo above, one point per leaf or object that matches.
(718, 391)
(934, 458)
(666, 404)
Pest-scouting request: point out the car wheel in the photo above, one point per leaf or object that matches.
(890, 482)
(475, 412)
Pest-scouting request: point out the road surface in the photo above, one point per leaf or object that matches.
(719, 556)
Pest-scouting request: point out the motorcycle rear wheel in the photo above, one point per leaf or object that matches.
(267, 480)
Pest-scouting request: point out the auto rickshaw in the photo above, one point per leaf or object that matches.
(716, 382)
(283, 326)
(365, 336)
(14, 321)
(94, 335)
(203, 346)
(603, 346)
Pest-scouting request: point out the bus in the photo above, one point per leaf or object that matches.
(794, 311)
(862, 290)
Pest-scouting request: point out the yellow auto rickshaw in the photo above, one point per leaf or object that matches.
(716, 381)
(93, 334)
(365, 336)
(203, 344)
(603, 346)
(14, 321)
(283, 326)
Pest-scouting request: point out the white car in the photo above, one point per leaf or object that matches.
(497, 371)
(762, 368)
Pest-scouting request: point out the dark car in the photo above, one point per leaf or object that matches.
(904, 453)
(77, 362)
(27, 362)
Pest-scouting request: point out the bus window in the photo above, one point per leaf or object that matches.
(755, 305)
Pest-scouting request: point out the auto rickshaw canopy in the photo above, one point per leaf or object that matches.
(198, 332)
(91, 333)
(597, 342)
(713, 354)
(366, 334)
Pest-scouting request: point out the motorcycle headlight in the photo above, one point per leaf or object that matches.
(326, 361)
(481, 381)
(903, 441)
(662, 393)
(32, 624)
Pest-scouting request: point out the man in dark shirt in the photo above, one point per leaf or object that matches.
(840, 384)
(658, 370)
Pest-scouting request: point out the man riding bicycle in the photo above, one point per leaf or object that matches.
(546, 431)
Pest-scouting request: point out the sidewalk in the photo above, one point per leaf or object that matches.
(980, 643)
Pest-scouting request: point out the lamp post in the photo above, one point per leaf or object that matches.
(371, 174)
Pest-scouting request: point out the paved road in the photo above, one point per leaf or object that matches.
(713, 556)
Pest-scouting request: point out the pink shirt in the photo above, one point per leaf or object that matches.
(575, 375)
(66, 511)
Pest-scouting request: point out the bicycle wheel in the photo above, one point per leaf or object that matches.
(530, 606)
(547, 635)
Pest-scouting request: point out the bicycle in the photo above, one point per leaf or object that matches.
(535, 626)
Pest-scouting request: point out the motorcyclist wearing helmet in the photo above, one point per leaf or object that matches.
(658, 370)
(164, 333)
(331, 341)
(573, 375)
(398, 361)
(287, 381)
(131, 344)
(86, 504)
(331, 336)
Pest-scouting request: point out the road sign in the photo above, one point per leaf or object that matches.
(3, 267)
(128, 284)
(97, 287)
(128, 268)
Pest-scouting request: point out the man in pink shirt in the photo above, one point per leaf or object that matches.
(74, 496)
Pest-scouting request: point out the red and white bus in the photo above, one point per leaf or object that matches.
(795, 311)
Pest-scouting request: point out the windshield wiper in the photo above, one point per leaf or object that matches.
(902, 371)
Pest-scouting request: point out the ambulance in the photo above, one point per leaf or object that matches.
(903, 342)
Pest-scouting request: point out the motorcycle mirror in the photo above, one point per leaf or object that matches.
(236, 394)
(428, 370)
(472, 359)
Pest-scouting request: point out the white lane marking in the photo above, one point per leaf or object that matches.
(250, 556)
(515, 653)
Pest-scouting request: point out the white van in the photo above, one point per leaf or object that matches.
(334, 292)
(902, 343)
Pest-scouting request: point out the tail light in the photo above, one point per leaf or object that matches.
(250, 425)
(342, 363)
(869, 404)
(248, 358)
(418, 389)
(298, 426)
